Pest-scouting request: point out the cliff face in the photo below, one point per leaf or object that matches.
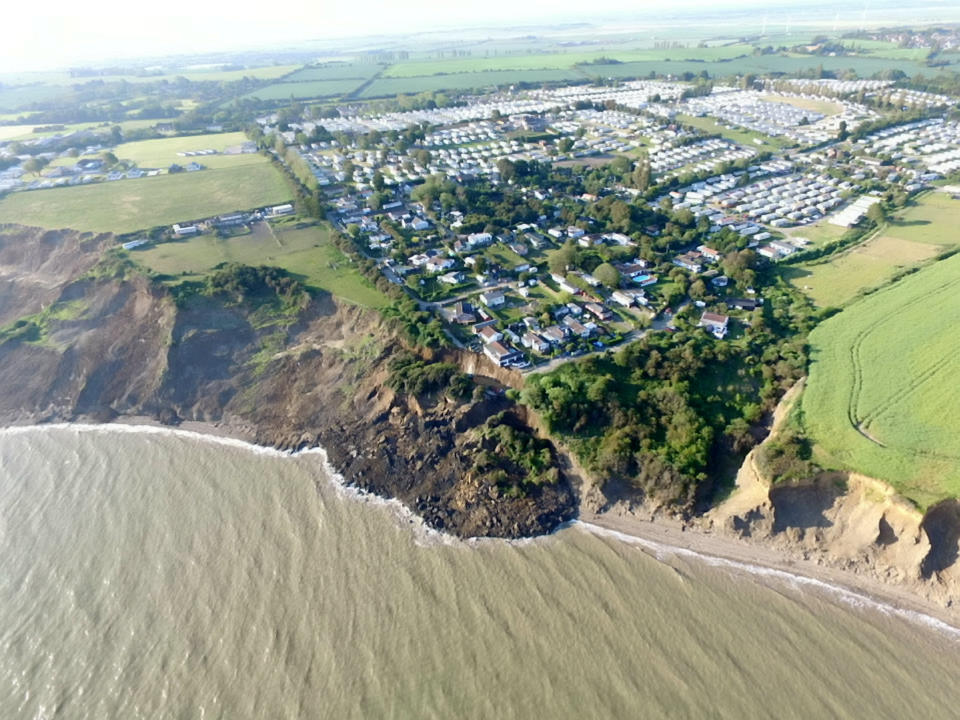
(77, 345)
(847, 521)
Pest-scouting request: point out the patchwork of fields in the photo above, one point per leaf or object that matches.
(304, 250)
(881, 396)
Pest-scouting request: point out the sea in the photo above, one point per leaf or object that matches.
(150, 573)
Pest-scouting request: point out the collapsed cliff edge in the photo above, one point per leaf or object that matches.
(82, 339)
(89, 337)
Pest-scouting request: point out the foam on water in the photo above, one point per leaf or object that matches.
(846, 595)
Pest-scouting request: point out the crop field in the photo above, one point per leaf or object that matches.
(837, 280)
(559, 60)
(128, 205)
(306, 90)
(307, 252)
(335, 71)
(161, 153)
(864, 66)
(881, 396)
(382, 87)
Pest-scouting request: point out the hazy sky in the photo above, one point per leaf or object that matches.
(54, 33)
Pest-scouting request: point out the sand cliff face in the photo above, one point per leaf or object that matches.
(847, 521)
(101, 348)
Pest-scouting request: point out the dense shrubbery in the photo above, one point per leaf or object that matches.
(511, 458)
(245, 282)
(659, 410)
(410, 374)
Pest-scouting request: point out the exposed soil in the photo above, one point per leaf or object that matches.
(132, 351)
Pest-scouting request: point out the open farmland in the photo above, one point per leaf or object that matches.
(560, 60)
(304, 250)
(837, 280)
(464, 81)
(128, 205)
(335, 71)
(306, 90)
(760, 64)
(918, 233)
(881, 397)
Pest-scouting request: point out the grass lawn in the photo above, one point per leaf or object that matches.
(836, 281)
(303, 249)
(824, 107)
(162, 153)
(738, 135)
(932, 218)
(918, 233)
(129, 205)
(818, 233)
(880, 398)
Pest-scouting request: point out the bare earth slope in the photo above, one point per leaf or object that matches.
(102, 348)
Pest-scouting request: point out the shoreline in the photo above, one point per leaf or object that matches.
(664, 536)
(660, 535)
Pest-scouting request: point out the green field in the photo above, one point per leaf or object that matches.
(881, 397)
(382, 87)
(918, 233)
(128, 205)
(560, 60)
(306, 90)
(335, 71)
(162, 153)
(307, 252)
(759, 64)
(738, 135)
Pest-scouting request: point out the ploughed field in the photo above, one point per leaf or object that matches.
(882, 394)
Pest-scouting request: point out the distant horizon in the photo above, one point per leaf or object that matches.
(110, 33)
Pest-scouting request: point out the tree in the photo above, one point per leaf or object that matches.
(109, 159)
(608, 275)
(842, 132)
(507, 169)
(876, 213)
(565, 145)
(377, 181)
(559, 260)
(34, 165)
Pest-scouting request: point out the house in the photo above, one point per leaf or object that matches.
(452, 278)
(625, 298)
(720, 281)
(490, 334)
(534, 342)
(462, 314)
(554, 335)
(277, 210)
(501, 354)
(715, 323)
(575, 232)
(599, 311)
(439, 264)
(493, 298)
(184, 230)
(689, 261)
(476, 240)
(743, 303)
(709, 254)
(576, 327)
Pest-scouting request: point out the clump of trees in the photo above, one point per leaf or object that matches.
(412, 375)
(512, 458)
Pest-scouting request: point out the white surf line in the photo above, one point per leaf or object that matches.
(425, 535)
(851, 597)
